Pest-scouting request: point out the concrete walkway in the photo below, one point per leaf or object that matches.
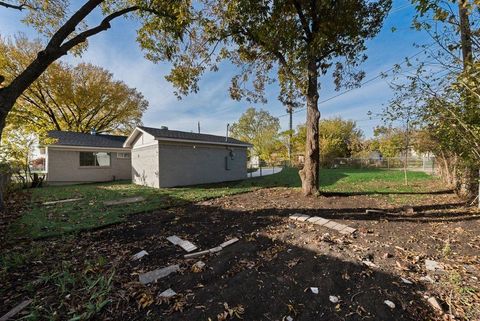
(265, 171)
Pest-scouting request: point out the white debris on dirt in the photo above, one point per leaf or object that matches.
(154, 275)
(167, 294)
(369, 264)
(288, 318)
(198, 267)
(196, 254)
(390, 304)
(229, 242)
(139, 255)
(406, 281)
(215, 249)
(434, 303)
(314, 290)
(432, 265)
(427, 279)
(127, 200)
(333, 299)
(10, 314)
(184, 244)
(62, 201)
(187, 246)
(174, 239)
(369, 211)
(200, 264)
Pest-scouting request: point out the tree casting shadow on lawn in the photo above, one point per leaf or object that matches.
(271, 279)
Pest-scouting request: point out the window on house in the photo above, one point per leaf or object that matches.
(99, 159)
(123, 155)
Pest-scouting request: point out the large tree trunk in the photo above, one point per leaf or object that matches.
(309, 173)
(467, 182)
(467, 186)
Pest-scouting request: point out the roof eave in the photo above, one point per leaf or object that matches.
(201, 142)
(88, 147)
(128, 142)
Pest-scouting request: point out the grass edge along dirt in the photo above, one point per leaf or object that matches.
(39, 220)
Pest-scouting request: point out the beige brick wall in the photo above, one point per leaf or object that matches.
(63, 166)
(145, 165)
(188, 164)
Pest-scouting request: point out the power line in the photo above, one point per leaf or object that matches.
(363, 83)
(400, 8)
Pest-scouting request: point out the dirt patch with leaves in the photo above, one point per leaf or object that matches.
(280, 269)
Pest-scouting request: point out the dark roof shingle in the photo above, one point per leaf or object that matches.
(87, 140)
(176, 134)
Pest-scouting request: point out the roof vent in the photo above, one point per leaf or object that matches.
(164, 127)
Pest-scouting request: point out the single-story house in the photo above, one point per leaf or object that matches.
(169, 158)
(81, 158)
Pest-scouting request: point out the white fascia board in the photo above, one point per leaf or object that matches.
(89, 148)
(129, 139)
(154, 143)
(200, 142)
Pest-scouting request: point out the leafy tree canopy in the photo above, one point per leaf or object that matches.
(75, 98)
(338, 138)
(260, 129)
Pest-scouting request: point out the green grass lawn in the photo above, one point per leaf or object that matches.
(40, 221)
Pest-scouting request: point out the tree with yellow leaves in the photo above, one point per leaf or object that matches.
(72, 98)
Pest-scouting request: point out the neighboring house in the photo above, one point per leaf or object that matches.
(375, 155)
(82, 158)
(168, 158)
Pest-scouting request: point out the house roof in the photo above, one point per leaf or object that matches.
(176, 135)
(64, 138)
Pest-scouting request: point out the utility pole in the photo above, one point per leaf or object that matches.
(198, 125)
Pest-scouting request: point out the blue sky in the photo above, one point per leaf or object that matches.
(117, 51)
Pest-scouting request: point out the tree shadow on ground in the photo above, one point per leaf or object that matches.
(269, 278)
(422, 214)
(347, 194)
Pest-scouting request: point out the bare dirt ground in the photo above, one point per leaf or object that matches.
(267, 275)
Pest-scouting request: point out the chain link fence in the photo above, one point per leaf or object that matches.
(414, 164)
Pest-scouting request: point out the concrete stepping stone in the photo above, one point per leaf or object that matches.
(331, 225)
(154, 275)
(313, 219)
(128, 200)
(348, 230)
(343, 229)
(322, 221)
(299, 217)
(339, 227)
(62, 201)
